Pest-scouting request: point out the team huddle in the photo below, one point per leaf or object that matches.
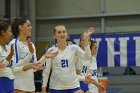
(73, 68)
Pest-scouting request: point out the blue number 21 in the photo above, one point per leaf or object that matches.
(64, 63)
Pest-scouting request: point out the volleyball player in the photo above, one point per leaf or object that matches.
(63, 78)
(6, 54)
(94, 86)
(25, 61)
(87, 70)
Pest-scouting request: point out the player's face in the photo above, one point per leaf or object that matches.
(7, 34)
(60, 34)
(94, 49)
(26, 28)
(82, 42)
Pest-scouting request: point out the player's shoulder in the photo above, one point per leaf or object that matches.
(72, 47)
(14, 41)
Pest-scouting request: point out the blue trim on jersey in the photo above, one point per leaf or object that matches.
(64, 91)
(32, 59)
(16, 50)
(24, 56)
(84, 87)
(6, 85)
(84, 69)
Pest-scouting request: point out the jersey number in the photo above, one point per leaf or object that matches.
(94, 73)
(84, 70)
(64, 63)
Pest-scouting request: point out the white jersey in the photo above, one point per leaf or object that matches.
(5, 72)
(24, 80)
(63, 67)
(93, 71)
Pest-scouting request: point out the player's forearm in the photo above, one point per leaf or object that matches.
(17, 69)
(27, 67)
(23, 61)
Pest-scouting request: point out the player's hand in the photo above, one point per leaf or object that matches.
(88, 32)
(100, 87)
(87, 79)
(51, 54)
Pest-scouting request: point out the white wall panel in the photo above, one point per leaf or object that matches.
(62, 8)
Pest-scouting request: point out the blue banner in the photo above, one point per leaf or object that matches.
(116, 50)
